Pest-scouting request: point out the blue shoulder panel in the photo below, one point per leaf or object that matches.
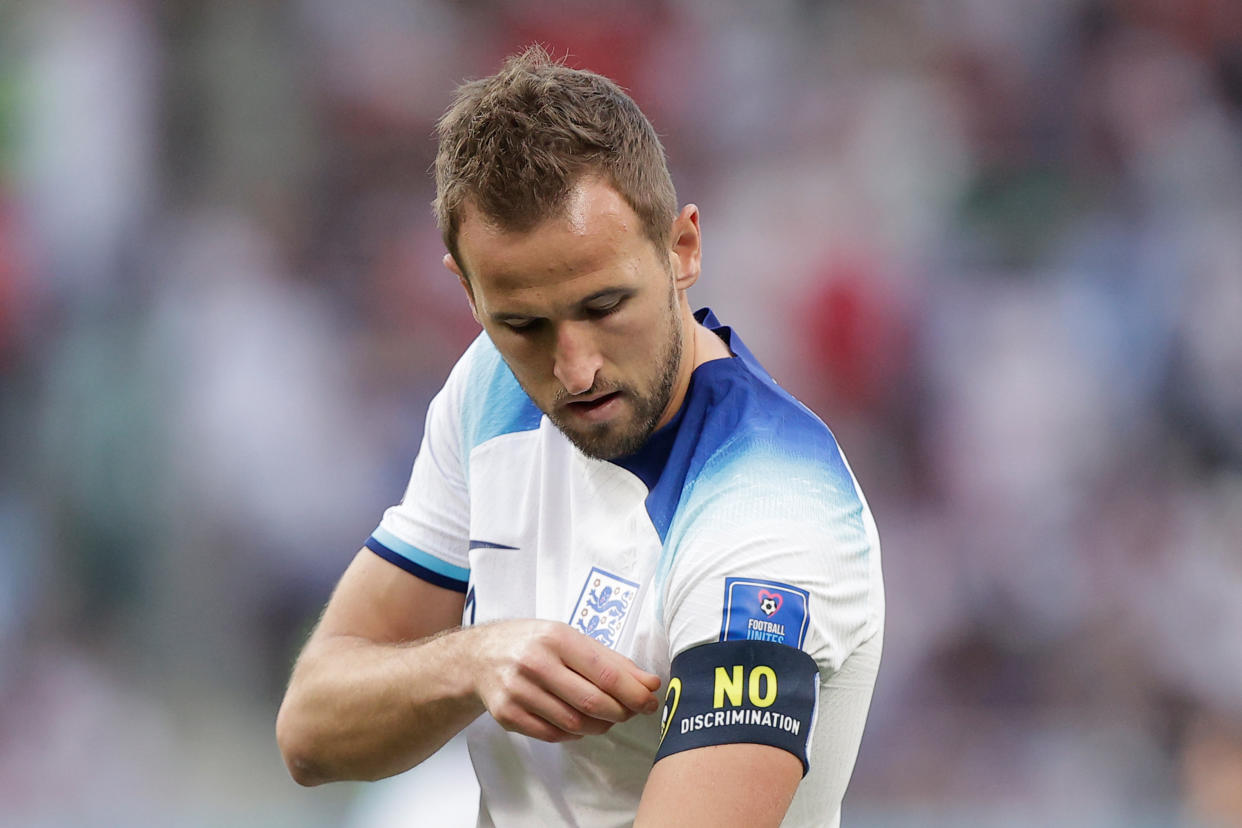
(494, 402)
(741, 443)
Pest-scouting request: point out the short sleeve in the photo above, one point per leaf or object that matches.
(776, 547)
(427, 533)
(773, 607)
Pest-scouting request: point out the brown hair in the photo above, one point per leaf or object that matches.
(513, 145)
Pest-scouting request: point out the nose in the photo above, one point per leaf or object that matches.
(576, 360)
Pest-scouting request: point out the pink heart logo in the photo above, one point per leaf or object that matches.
(770, 602)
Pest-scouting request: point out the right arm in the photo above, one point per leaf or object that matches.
(386, 679)
(352, 708)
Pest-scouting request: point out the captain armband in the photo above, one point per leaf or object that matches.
(740, 691)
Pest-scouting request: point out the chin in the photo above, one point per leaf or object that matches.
(607, 443)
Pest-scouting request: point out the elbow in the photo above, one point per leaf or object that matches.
(297, 749)
(303, 771)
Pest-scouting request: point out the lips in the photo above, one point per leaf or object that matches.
(599, 408)
(586, 405)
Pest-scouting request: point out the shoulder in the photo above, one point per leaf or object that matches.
(761, 454)
(487, 398)
(771, 537)
(767, 494)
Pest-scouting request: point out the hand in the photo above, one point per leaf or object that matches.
(546, 680)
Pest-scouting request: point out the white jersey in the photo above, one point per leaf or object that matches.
(740, 519)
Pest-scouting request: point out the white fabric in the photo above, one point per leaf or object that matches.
(547, 532)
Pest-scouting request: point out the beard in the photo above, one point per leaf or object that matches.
(607, 441)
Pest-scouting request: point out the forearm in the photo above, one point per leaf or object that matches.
(360, 710)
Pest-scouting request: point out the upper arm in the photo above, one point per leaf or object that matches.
(740, 784)
(766, 599)
(377, 601)
(737, 717)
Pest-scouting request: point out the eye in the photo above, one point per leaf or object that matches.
(520, 325)
(607, 307)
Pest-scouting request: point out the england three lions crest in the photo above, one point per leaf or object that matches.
(603, 606)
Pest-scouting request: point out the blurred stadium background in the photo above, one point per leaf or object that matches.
(997, 244)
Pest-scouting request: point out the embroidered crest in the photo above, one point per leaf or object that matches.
(603, 606)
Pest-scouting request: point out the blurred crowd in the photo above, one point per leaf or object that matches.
(996, 244)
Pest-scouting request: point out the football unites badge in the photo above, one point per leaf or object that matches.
(603, 606)
(770, 602)
(759, 610)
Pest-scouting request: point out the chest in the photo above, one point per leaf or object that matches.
(558, 536)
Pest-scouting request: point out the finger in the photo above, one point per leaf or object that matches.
(532, 699)
(650, 680)
(583, 697)
(613, 673)
(528, 724)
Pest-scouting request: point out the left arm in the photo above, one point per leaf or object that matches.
(720, 786)
(736, 726)
(768, 606)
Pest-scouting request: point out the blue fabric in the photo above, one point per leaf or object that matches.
(733, 412)
(391, 548)
(502, 407)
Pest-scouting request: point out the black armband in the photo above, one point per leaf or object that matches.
(740, 691)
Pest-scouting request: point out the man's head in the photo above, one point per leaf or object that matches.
(560, 220)
(513, 145)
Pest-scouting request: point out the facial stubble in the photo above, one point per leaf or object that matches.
(606, 441)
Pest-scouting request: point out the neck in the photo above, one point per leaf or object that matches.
(701, 346)
(707, 346)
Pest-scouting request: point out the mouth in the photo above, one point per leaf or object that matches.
(595, 410)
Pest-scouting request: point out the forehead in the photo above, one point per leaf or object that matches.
(594, 233)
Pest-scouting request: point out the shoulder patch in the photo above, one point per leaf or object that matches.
(760, 610)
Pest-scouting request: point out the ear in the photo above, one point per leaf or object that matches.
(451, 264)
(685, 253)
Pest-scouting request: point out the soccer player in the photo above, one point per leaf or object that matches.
(613, 504)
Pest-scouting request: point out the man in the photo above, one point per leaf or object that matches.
(611, 498)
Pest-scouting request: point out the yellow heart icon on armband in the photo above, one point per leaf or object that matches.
(671, 699)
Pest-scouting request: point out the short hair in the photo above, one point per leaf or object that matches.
(515, 144)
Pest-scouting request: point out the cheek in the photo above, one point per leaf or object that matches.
(637, 348)
(627, 343)
(529, 362)
(643, 327)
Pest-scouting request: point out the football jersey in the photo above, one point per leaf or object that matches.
(738, 520)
